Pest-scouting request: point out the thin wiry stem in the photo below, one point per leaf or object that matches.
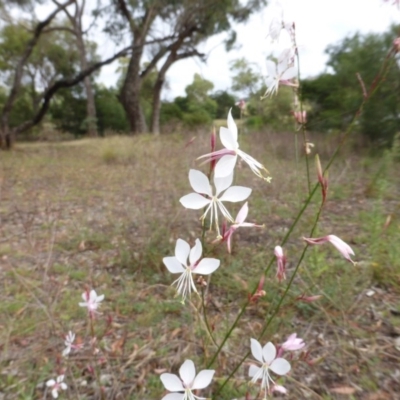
(377, 81)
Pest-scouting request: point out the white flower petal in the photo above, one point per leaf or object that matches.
(223, 183)
(228, 139)
(64, 386)
(280, 366)
(54, 393)
(236, 193)
(232, 126)
(182, 250)
(173, 265)
(171, 382)
(203, 379)
(342, 246)
(289, 73)
(196, 252)
(256, 350)
(271, 68)
(206, 266)
(194, 201)
(225, 166)
(253, 370)
(50, 382)
(92, 296)
(242, 214)
(199, 182)
(99, 298)
(269, 352)
(187, 372)
(173, 396)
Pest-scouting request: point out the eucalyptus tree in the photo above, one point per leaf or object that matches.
(35, 34)
(188, 23)
(76, 28)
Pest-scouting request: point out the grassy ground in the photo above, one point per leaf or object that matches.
(103, 213)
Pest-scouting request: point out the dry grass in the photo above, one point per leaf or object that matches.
(103, 213)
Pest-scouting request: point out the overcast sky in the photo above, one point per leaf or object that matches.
(318, 24)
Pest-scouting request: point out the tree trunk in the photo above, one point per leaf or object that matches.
(130, 94)
(155, 117)
(172, 58)
(90, 104)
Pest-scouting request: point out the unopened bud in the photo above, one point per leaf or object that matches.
(323, 181)
(201, 281)
(300, 116)
(308, 299)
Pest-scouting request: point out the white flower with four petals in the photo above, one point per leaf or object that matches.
(56, 385)
(179, 265)
(91, 301)
(204, 196)
(280, 73)
(267, 357)
(186, 382)
(228, 157)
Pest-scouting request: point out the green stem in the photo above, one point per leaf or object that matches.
(373, 89)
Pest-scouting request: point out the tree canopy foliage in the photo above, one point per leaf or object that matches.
(335, 95)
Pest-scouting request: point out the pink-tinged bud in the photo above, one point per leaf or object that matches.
(241, 104)
(309, 299)
(293, 343)
(259, 292)
(213, 139)
(342, 246)
(300, 117)
(278, 388)
(323, 181)
(190, 141)
(224, 228)
(213, 143)
(281, 263)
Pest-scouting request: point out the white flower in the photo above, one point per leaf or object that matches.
(266, 356)
(69, 340)
(228, 156)
(91, 301)
(56, 385)
(280, 73)
(187, 382)
(179, 265)
(278, 24)
(204, 196)
(69, 344)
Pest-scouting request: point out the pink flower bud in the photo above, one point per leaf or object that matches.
(342, 246)
(281, 263)
(309, 299)
(323, 181)
(259, 292)
(241, 104)
(293, 343)
(300, 116)
(213, 143)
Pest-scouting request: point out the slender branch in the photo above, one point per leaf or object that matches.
(65, 83)
(20, 65)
